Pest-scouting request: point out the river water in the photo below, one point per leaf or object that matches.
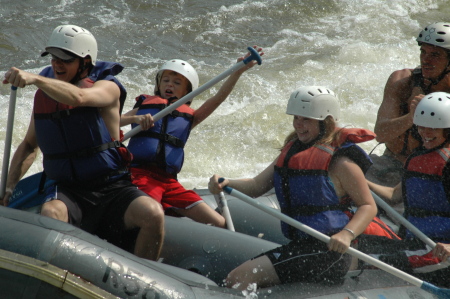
(350, 46)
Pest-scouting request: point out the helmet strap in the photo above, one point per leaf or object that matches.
(157, 80)
(83, 67)
(427, 88)
(321, 130)
(441, 76)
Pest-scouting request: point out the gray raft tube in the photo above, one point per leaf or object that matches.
(45, 258)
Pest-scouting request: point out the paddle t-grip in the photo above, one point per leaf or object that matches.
(254, 55)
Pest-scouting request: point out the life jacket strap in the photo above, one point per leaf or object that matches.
(85, 152)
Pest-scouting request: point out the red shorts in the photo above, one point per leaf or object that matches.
(164, 189)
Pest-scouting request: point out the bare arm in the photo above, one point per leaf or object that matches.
(253, 187)
(102, 94)
(212, 103)
(129, 118)
(391, 195)
(145, 120)
(22, 159)
(390, 123)
(349, 179)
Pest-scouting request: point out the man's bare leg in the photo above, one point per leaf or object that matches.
(147, 214)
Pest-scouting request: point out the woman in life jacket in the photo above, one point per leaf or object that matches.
(318, 166)
(425, 192)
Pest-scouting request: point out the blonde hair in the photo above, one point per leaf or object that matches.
(329, 132)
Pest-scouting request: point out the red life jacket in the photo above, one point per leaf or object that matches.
(426, 199)
(306, 193)
(303, 187)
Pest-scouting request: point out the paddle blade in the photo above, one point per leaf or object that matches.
(27, 193)
(441, 293)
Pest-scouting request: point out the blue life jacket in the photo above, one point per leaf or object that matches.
(163, 144)
(103, 70)
(75, 141)
(305, 191)
(426, 201)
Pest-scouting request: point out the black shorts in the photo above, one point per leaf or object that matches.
(309, 260)
(100, 210)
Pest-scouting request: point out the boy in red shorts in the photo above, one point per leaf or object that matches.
(158, 149)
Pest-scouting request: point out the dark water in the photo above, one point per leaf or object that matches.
(350, 46)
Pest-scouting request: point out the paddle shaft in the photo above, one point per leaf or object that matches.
(8, 140)
(324, 238)
(393, 213)
(222, 200)
(254, 55)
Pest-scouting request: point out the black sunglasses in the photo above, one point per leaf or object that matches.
(70, 60)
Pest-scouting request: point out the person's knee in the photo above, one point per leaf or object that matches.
(145, 213)
(55, 209)
(232, 281)
(221, 222)
(153, 210)
(238, 278)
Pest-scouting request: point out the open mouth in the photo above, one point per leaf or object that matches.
(428, 140)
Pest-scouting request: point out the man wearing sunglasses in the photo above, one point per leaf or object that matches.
(75, 123)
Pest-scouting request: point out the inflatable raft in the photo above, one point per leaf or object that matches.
(45, 258)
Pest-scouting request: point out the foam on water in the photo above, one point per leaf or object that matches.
(350, 46)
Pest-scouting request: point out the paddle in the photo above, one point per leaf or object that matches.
(26, 193)
(223, 205)
(29, 192)
(8, 140)
(441, 293)
(393, 213)
(254, 55)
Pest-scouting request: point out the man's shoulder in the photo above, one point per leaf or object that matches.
(400, 81)
(401, 74)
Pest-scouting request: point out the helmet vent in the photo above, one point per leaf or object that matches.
(432, 113)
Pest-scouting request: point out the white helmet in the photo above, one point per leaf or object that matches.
(433, 111)
(181, 67)
(72, 39)
(437, 34)
(316, 102)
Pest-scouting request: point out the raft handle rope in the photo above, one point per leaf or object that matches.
(43, 271)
